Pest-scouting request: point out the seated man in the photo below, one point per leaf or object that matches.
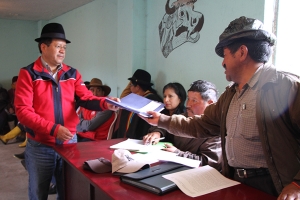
(207, 150)
(95, 125)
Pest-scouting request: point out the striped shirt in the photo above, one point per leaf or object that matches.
(243, 145)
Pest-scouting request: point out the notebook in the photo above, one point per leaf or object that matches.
(151, 179)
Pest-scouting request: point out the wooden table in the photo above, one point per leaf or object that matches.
(83, 185)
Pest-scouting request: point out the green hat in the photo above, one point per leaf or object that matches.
(244, 27)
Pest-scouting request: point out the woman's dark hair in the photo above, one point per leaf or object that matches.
(181, 93)
(258, 50)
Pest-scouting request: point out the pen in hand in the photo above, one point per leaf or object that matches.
(148, 143)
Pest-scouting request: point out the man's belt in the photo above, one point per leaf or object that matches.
(247, 173)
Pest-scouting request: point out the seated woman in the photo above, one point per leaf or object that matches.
(129, 124)
(207, 150)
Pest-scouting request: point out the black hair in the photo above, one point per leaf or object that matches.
(258, 50)
(207, 90)
(145, 88)
(46, 41)
(181, 93)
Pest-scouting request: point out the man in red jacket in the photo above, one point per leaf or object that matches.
(95, 125)
(44, 102)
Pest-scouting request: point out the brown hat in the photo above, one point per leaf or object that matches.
(95, 82)
(99, 165)
(141, 77)
(244, 27)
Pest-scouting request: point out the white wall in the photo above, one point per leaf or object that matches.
(110, 39)
(92, 30)
(18, 48)
(194, 61)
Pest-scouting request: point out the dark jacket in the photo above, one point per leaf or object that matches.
(277, 113)
(130, 125)
(208, 149)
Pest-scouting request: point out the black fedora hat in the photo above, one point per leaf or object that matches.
(141, 77)
(54, 31)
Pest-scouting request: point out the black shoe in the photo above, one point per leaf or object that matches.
(52, 189)
(20, 155)
(23, 163)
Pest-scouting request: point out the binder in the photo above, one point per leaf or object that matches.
(151, 179)
(138, 104)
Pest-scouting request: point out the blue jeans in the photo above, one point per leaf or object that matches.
(42, 162)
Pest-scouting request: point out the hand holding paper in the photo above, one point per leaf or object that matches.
(138, 104)
(153, 120)
(112, 106)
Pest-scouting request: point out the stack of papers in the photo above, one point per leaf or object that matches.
(154, 152)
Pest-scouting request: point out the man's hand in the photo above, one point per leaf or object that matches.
(169, 148)
(111, 106)
(64, 134)
(151, 138)
(152, 120)
(290, 192)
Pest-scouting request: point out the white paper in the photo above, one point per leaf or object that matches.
(177, 159)
(137, 145)
(200, 181)
(150, 106)
(130, 144)
(155, 151)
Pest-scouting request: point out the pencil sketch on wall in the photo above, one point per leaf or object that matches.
(180, 24)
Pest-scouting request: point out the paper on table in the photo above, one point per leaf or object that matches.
(138, 146)
(200, 181)
(129, 144)
(177, 159)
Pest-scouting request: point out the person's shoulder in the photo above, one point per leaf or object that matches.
(154, 97)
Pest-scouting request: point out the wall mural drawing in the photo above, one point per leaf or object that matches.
(180, 24)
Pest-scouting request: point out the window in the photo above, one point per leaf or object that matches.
(287, 55)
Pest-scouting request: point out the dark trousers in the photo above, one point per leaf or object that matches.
(82, 139)
(263, 183)
(3, 121)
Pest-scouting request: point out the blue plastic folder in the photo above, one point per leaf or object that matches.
(138, 104)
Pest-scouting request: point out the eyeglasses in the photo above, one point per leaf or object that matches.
(59, 47)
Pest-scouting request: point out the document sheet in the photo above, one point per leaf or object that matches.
(154, 152)
(138, 104)
(199, 181)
